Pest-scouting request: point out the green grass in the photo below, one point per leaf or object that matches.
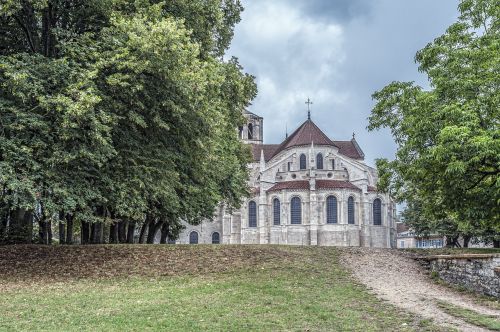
(301, 289)
(470, 316)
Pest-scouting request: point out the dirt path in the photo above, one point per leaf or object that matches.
(404, 283)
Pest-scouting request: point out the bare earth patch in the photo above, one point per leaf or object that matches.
(396, 277)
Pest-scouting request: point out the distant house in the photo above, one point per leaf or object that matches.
(406, 238)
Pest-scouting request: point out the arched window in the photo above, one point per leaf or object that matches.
(276, 211)
(333, 164)
(303, 161)
(350, 210)
(331, 210)
(193, 237)
(215, 238)
(319, 161)
(250, 131)
(296, 211)
(252, 214)
(377, 212)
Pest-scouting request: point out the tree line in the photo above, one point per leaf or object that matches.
(117, 117)
(447, 166)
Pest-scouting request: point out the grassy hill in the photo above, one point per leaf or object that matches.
(173, 287)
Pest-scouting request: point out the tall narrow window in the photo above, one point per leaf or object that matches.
(250, 131)
(303, 161)
(252, 214)
(215, 238)
(240, 130)
(296, 211)
(319, 161)
(350, 210)
(193, 237)
(333, 164)
(289, 166)
(276, 211)
(331, 210)
(377, 212)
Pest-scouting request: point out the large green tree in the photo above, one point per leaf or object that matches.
(448, 158)
(119, 112)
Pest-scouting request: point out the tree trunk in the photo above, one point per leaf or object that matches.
(49, 232)
(144, 228)
(96, 233)
(62, 229)
(41, 230)
(122, 231)
(85, 232)
(112, 232)
(164, 233)
(154, 227)
(496, 243)
(69, 229)
(466, 241)
(130, 232)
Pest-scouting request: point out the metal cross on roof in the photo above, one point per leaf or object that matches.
(309, 103)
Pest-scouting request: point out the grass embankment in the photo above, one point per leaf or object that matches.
(471, 316)
(187, 288)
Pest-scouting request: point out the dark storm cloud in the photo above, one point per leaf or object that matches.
(338, 53)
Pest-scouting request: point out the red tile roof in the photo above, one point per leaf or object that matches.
(268, 151)
(402, 227)
(372, 188)
(306, 134)
(299, 184)
(335, 184)
(350, 149)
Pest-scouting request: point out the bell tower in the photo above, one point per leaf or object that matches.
(253, 130)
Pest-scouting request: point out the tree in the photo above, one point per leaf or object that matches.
(118, 112)
(448, 157)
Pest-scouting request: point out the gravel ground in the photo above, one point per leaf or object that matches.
(396, 277)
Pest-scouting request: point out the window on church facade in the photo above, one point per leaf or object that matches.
(250, 131)
(215, 238)
(252, 214)
(303, 161)
(319, 161)
(193, 237)
(240, 130)
(350, 210)
(377, 212)
(331, 210)
(296, 211)
(333, 163)
(276, 211)
(289, 166)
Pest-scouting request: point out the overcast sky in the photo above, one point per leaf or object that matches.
(337, 52)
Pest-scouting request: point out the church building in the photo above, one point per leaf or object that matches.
(307, 190)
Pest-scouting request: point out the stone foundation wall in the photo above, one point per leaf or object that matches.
(477, 272)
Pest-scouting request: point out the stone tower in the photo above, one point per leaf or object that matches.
(253, 130)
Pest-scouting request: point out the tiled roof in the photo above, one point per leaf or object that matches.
(350, 149)
(401, 227)
(306, 134)
(372, 189)
(268, 151)
(335, 184)
(299, 184)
